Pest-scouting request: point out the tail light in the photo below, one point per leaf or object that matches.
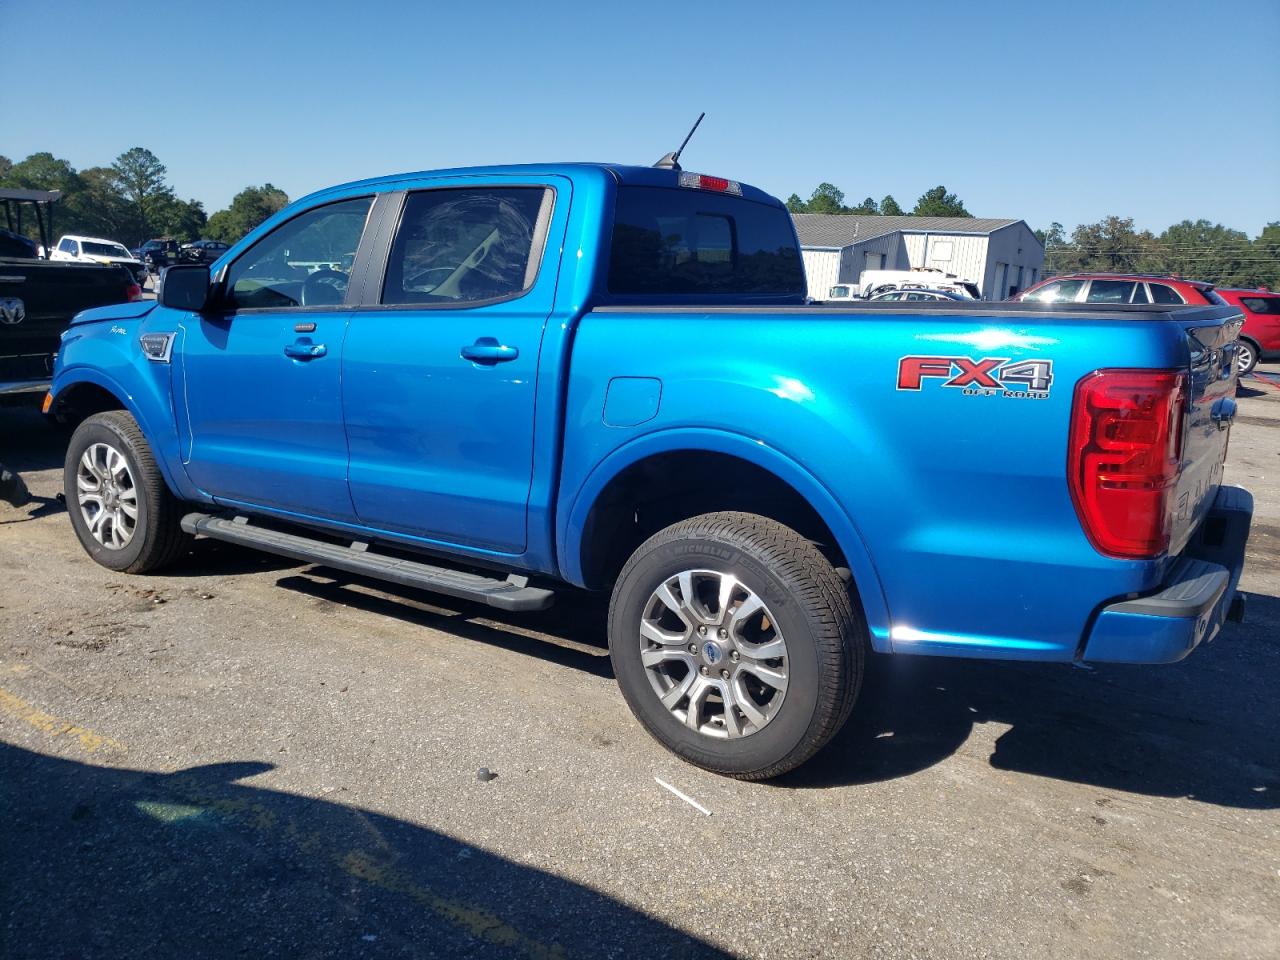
(1123, 458)
(132, 292)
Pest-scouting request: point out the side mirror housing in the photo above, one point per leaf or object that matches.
(185, 286)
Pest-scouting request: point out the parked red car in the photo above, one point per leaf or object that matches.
(1260, 338)
(1120, 288)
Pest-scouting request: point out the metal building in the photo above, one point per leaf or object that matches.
(1000, 256)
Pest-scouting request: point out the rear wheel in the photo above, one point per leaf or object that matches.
(736, 644)
(121, 510)
(1246, 356)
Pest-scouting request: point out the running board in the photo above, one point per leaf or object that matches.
(513, 593)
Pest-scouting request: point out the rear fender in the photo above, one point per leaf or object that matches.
(576, 507)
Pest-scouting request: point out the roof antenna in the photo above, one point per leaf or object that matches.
(671, 161)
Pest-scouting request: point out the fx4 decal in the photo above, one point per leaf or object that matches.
(988, 377)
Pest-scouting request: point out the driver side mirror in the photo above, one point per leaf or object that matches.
(184, 286)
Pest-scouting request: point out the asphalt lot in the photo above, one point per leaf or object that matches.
(248, 757)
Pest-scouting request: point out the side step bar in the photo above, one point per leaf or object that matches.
(513, 593)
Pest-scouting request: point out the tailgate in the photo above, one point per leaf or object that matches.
(1211, 387)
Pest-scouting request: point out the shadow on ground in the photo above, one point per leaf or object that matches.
(124, 863)
(1204, 728)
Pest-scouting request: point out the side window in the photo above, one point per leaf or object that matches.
(65, 245)
(305, 262)
(1267, 305)
(465, 246)
(839, 292)
(1140, 293)
(1110, 291)
(1060, 291)
(1160, 293)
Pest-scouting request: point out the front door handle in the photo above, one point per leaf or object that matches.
(489, 351)
(305, 351)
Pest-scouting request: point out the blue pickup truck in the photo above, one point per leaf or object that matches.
(505, 382)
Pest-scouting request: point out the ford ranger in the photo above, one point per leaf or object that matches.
(501, 383)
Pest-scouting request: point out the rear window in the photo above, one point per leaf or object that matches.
(674, 241)
(1270, 305)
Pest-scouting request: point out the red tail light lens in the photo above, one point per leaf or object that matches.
(700, 181)
(1123, 461)
(133, 292)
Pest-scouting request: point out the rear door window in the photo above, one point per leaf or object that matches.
(466, 246)
(676, 241)
(1140, 294)
(1110, 291)
(1163, 293)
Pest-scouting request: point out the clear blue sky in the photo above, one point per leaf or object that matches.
(1068, 112)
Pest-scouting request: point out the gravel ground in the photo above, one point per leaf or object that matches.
(250, 757)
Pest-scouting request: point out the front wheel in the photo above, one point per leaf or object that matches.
(121, 510)
(736, 644)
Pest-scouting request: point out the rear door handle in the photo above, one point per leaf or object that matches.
(305, 351)
(489, 351)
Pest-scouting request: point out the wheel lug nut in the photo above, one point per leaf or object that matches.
(735, 656)
(724, 674)
(703, 669)
(702, 631)
(693, 648)
(723, 633)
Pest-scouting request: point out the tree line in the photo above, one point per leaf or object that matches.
(131, 200)
(828, 198)
(1195, 249)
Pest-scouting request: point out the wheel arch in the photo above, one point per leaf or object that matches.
(80, 392)
(591, 533)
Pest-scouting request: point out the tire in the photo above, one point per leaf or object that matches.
(1247, 358)
(802, 601)
(102, 493)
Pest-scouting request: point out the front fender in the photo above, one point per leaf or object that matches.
(141, 387)
(576, 507)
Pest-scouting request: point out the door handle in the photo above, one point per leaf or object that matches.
(305, 351)
(489, 351)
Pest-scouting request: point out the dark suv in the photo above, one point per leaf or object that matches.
(157, 254)
(203, 251)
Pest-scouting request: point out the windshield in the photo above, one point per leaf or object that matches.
(92, 249)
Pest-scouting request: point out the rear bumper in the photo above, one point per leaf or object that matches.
(1192, 606)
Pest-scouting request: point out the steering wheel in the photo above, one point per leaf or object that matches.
(324, 288)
